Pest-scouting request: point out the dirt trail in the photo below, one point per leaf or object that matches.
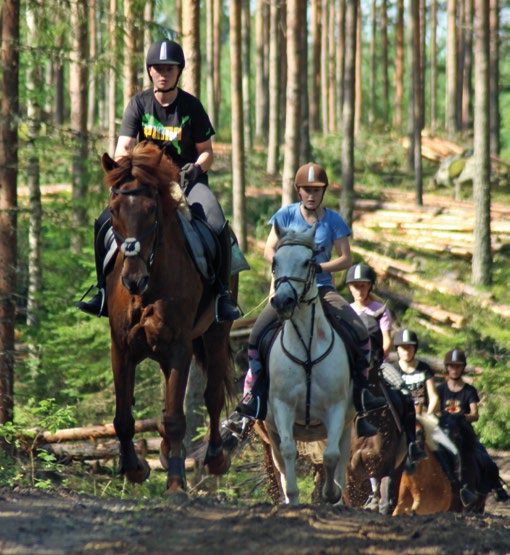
(33, 522)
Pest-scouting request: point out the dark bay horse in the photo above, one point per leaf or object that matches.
(376, 463)
(476, 472)
(160, 308)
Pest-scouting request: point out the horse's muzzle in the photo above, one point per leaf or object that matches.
(136, 286)
(284, 305)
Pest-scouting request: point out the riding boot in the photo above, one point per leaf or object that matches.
(414, 451)
(97, 305)
(226, 308)
(364, 401)
(254, 403)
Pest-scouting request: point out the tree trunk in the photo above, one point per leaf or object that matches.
(332, 81)
(482, 260)
(111, 80)
(433, 65)
(417, 100)
(358, 91)
(131, 63)
(384, 61)
(10, 22)
(238, 168)
(293, 107)
(324, 89)
(467, 87)
(451, 69)
(209, 48)
(35, 91)
(273, 147)
(495, 116)
(340, 61)
(305, 153)
(262, 69)
(371, 77)
(191, 46)
(246, 68)
(315, 74)
(347, 195)
(78, 87)
(399, 66)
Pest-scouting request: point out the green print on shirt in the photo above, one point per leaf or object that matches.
(154, 129)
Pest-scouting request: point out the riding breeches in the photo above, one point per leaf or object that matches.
(203, 202)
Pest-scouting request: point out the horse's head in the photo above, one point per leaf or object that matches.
(293, 270)
(458, 429)
(141, 185)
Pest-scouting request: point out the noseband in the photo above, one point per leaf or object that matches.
(131, 246)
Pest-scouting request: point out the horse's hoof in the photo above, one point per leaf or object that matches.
(175, 490)
(371, 504)
(140, 473)
(218, 465)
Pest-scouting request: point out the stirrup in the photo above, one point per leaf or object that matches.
(96, 306)
(236, 424)
(225, 308)
(364, 428)
(370, 402)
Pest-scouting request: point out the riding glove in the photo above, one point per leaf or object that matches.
(189, 174)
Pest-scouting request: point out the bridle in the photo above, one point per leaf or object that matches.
(131, 246)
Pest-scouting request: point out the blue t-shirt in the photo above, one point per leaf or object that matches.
(330, 228)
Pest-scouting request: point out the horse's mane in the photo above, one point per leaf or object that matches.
(295, 237)
(459, 427)
(148, 165)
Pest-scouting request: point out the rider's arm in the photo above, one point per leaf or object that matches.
(433, 396)
(270, 247)
(344, 259)
(125, 145)
(205, 155)
(473, 413)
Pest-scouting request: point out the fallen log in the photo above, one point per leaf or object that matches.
(382, 263)
(87, 432)
(433, 312)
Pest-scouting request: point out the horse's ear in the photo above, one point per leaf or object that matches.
(278, 229)
(108, 163)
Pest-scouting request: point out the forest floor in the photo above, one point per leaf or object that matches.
(35, 522)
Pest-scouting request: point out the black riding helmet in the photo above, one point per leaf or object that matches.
(166, 52)
(405, 337)
(455, 356)
(361, 272)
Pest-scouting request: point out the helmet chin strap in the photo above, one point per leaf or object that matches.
(171, 88)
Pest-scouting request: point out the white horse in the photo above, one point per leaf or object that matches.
(310, 394)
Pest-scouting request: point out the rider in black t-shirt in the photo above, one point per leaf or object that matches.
(458, 397)
(178, 123)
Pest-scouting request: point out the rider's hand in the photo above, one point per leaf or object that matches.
(190, 173)
(318, 268)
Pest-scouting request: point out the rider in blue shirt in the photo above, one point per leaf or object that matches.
(333, 255)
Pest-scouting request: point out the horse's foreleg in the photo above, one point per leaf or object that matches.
(334, 422)
(215, 358)
(173, 425)
(135, 470)
(284, 419)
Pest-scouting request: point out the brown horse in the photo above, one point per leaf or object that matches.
(376, 463)
(160, 308)
(427, 489)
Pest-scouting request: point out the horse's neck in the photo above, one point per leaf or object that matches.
(309, 323)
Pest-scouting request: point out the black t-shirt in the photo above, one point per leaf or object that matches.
(175, 128)
(416, 381)
(457, 402)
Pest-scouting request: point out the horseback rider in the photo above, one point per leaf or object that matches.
(311, 182)
(361, 281)
(458, 397)
(177, 122)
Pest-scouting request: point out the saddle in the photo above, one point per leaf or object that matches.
(201, 241)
